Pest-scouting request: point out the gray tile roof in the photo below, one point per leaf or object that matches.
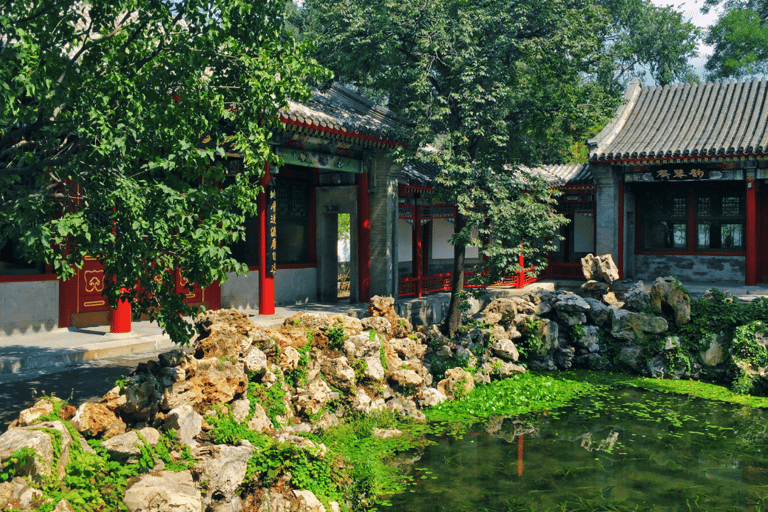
(340, 112)
(565, 174)
(686, 121)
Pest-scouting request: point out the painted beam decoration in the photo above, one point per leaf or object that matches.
(684, 172)
(271, 230)
(321, 161)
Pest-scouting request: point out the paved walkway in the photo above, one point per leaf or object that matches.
(48, 351)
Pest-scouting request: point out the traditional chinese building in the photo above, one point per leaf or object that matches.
(680, 176)
(334, 148)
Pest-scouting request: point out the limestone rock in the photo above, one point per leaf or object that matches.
(18, 495)
(352, 326)
(362, 345)
(142, 395)
(407, 379)
(572, 319)
(506, 350)
(430, 397)
(240, 409)
(255, 362)
(598, 312)
(600, 268)
(260, 422)
(633, 326)
(308, 502)
(177, 358)
(41, 442)
(669, 298)
(548, 334)
(40, 408)
(407, 348)
(637, 298)
(124, 448)
(186, 422)
(218, 382)
(338, 373)
(373, 368)
(97, 420)
(715, 353)
(289, 359)
(594, 289)
(378, 324)
(563, 357)
(223, 333)
(631, 355)
(381, 306)
(501, 311)
(166, 491)
(495, 367)
(457, 383)
(317, 395)
(223, 468)
(570, 303)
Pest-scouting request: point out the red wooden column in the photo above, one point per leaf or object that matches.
(363, 238)
(266, 284)
(418, 254)
(750, 271)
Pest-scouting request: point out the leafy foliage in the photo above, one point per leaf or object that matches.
(485, 84)
(116, 119)
(13, 465)
(740, 39)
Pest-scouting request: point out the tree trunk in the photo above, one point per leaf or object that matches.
(452, 321)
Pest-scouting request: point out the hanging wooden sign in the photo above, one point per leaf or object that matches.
(271, 228)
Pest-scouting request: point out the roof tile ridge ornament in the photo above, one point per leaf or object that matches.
(612, 129)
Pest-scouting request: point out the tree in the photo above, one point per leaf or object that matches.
(644, 39)
(485, 84)
(115, 120)
(739, 37)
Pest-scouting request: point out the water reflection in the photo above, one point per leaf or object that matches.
(630, 450)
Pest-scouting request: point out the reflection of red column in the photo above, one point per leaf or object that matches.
(520, 455)
(266, 284)
(363, 238)
(750, 272)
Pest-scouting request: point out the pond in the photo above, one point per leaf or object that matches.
(622, 449)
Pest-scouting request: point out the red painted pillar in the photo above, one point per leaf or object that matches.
(266, 284)
(750, 272)
(120, 317)
(520, 278)
(417, 263)
(363, 238)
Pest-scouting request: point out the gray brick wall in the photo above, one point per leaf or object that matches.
(383, 187)
(687, 268)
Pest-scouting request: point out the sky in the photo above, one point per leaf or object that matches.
(691, 10)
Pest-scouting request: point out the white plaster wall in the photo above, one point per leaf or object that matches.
(28, 306)
(584, 233)
(404, 241)
(241, 291)
(291, 286)
(442, 248)
(296, 285)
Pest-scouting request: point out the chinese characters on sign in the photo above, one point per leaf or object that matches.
(678, 174)
(271, 234)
